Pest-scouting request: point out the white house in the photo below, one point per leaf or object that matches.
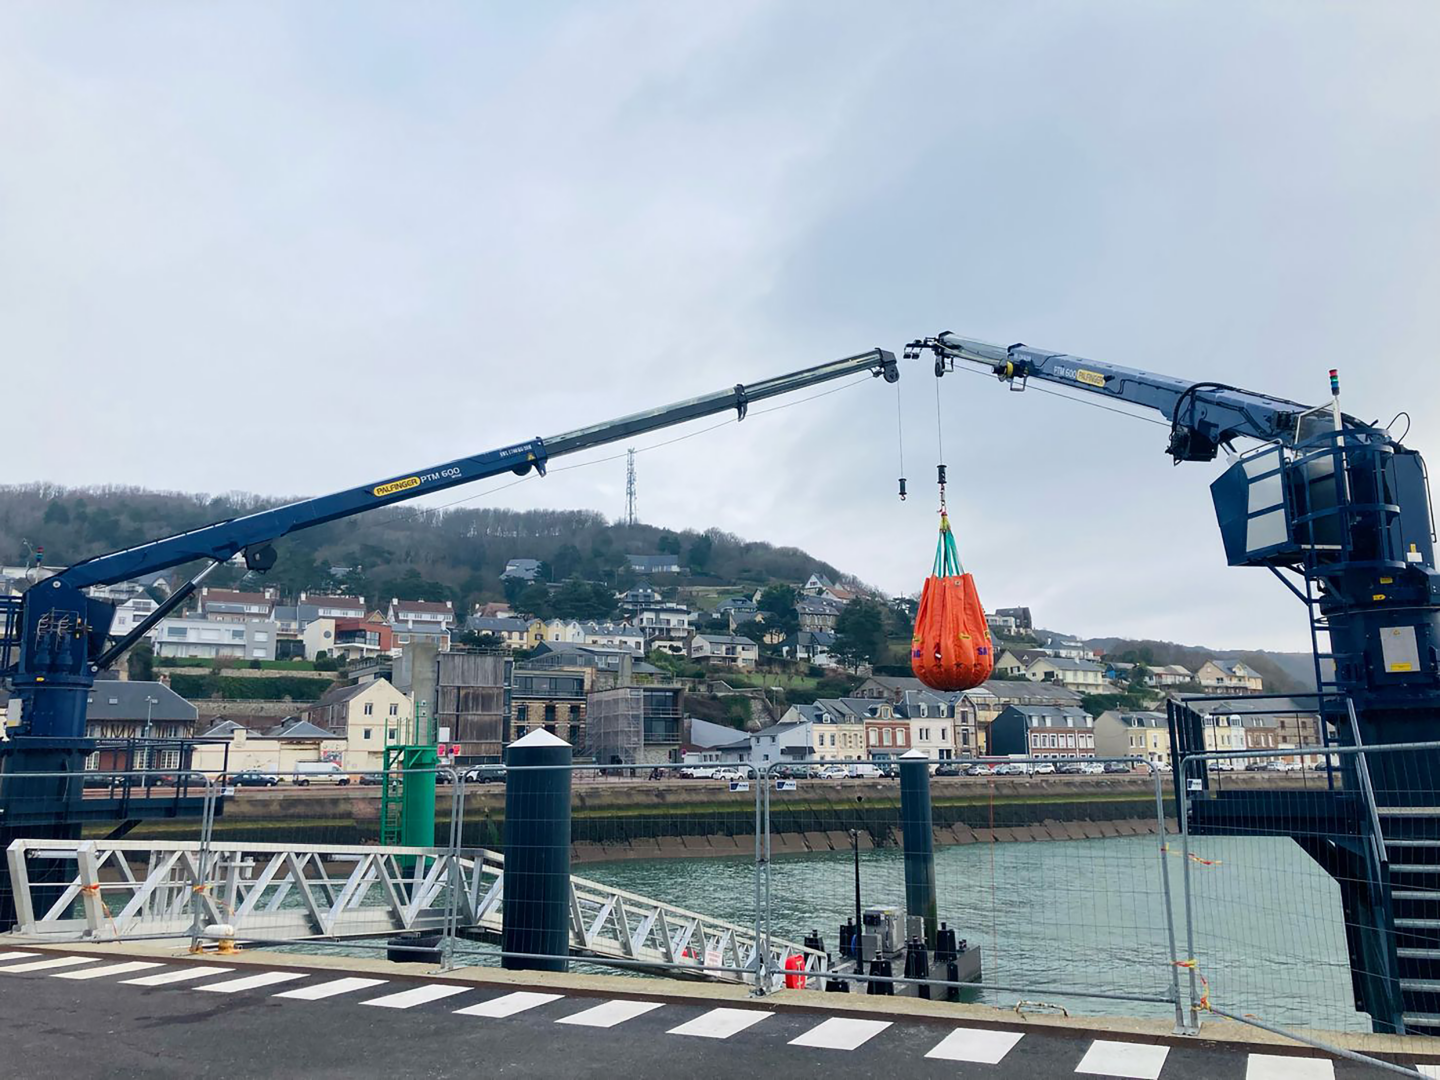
(207, 639)
(1229, 677)
(425, 614)
(725, 649)
(1082, 676)
(665, 626)
(610, 635)
(335, 607)
(228, 605)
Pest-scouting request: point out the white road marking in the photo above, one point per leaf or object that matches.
(108, 969)
(329, 989)
(165, 978)
(408, 999)
(1284, 1067)
(981, 1045)
(720, 1023)
(250, 982)
(1138, 1061)
(45, 965)
(15, 955)
(610, 1013)
(508, 1005)
(841, 1033)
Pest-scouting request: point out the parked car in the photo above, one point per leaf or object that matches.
(1091, 768)
(833, 772)
(947, 769)
(485, 774)
(979, 770)
(1290, 766)
(372, 779)
(1010, 768)
(255, 778)
(1070, 768)
(864, 771)
(1044, 768)
(1263, 766)
(1116, 767)
(319, 772)
(730, 772)
(1160, 766)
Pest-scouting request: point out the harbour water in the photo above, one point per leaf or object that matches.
(1058, 920)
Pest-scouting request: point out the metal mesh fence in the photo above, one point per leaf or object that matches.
(1052, 883)
(1314, 892)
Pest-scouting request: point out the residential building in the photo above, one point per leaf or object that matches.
(836, 732)
(118, 709)
(817, 612)
(635, 725)
(425, 614)
(613, 635)
(513, 633)
(1169, 675)
(1082, 676)
(365, 717)
(206, 639)
(1014, 662)
(1021, 615)
(318, 637)
(236, 748)
(1001, 624)
(811, 647)
(654, 564)
(228, 605)
(891, 688)
(131, 612)
(608, 668)
(1067, 648)
(521, 570)
(665, 626)
(360, 639)
(335, 607)
(1043, 731)
(726, 649)
(737, 610)
(779, 743)
(420, 634)
(1229, 677)
(555, 630)
(642, 595)
(472, 702)
(552, 698)
(1145, 734)
(292, 619)
(887, 734)
(932, 720)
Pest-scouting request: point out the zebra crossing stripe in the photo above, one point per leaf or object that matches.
(720, 1023)
(610, 1013)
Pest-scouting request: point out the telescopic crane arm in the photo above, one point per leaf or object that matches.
(1203, 415)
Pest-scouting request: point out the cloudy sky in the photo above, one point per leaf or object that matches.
(287, 248)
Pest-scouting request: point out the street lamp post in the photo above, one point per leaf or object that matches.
(150, 703)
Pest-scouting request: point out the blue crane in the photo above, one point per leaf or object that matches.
(1339, 510)
(63, 634)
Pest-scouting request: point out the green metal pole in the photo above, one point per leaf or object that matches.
(417, 796)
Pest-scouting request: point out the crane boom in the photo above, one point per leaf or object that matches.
(1203, 415)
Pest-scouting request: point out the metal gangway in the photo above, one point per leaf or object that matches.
(271, 893)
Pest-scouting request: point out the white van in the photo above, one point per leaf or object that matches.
(865, 770)
(320, 772)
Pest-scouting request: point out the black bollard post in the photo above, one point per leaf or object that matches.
(880, 968)
(917, 966)
(915, 819)
(535, 918)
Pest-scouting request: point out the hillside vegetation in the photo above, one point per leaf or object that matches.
(455, 554)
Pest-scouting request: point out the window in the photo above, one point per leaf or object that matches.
(369, 708)
(258, 654)
(885, 736)
(262, 635)
(394, 710)
(874, 737)
(175, 632)
(522, 713)
(944, 737)
(169, 759)
(832, 738)
(390, 735)
(92, 762)
(366, 733)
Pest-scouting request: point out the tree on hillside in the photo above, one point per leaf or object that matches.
(859, 634)
(668, 544)
(533, 599)
(140, 662)
(777, 603)
(578, 599)
(565, 563)
(698, 558)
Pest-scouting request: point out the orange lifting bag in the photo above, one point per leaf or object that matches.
(951, 649)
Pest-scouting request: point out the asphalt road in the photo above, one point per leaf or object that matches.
(83, 1018)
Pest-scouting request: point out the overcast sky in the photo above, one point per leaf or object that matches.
(288, 248)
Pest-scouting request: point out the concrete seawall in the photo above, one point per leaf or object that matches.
(631, 820)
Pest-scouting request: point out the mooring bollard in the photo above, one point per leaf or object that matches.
(535, 917)
(916, 821)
